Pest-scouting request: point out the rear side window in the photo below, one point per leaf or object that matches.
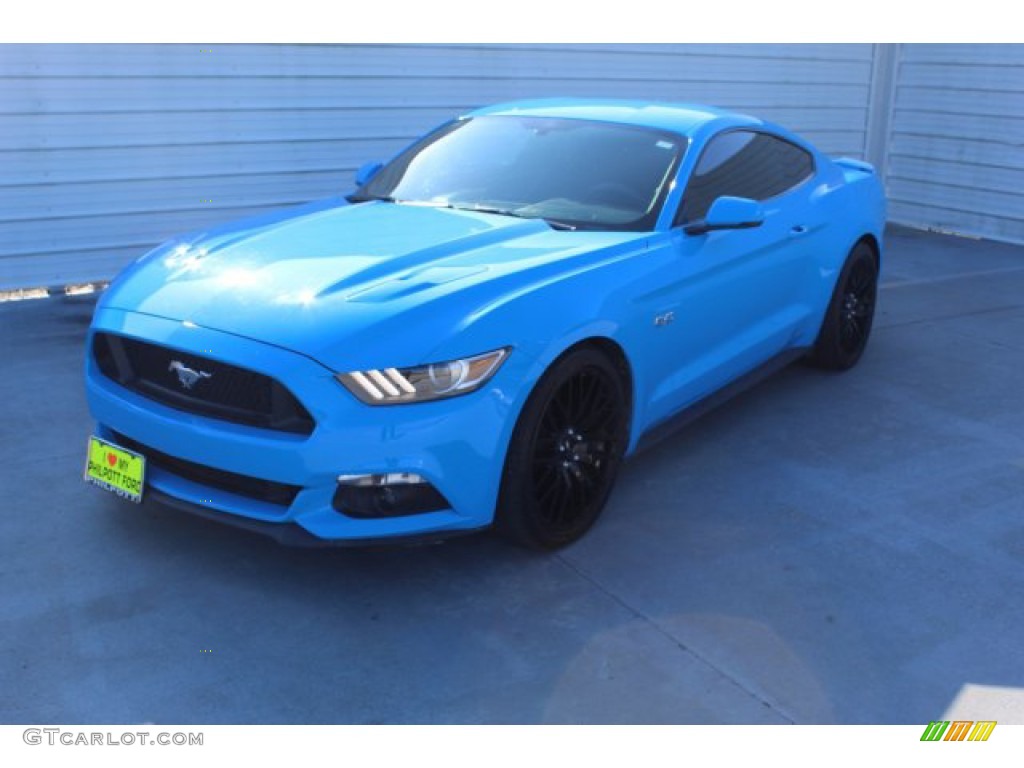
(743, 164)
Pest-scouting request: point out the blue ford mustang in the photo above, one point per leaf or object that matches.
(486, 327)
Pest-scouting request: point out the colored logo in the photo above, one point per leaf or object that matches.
(959, 730)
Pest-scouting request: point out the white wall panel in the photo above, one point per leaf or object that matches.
(105, 150)
(956, 157)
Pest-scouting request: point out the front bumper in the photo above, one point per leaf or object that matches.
(291, 535)
(458, 445)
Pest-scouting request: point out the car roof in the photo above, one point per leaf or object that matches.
(685, 119)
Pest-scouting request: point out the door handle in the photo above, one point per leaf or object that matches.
(798, 230)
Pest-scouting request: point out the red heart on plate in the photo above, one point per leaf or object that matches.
(111, 459)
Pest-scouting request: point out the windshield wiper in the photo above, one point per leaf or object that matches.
(553, 223)
(357, 198)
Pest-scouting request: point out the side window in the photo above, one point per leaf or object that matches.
(743, 164)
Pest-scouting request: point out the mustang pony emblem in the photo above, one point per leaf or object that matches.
(186, 375)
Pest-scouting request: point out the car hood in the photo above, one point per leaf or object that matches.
(338, 282)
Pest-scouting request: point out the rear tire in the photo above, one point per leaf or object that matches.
(564, 453)
(847, 325)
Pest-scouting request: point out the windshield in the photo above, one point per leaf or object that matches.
(576, 174)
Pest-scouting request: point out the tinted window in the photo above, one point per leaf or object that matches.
(744, 164)
(589, 174)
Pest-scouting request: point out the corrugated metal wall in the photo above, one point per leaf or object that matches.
(956, 150)
(108, 150)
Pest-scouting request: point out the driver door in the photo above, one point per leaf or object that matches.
(736, 293)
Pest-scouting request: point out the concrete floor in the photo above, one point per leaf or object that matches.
(824, 549)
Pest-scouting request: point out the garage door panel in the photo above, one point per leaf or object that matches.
(956, 150)
(105, 147)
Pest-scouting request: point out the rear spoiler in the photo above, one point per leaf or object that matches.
(857, 165)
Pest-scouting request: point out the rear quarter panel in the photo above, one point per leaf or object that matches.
(851, 202)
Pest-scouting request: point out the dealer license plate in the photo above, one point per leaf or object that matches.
(115, 469)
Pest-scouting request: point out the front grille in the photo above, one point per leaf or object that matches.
(269, 491)
(219, 390)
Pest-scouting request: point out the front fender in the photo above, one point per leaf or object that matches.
(543, 321)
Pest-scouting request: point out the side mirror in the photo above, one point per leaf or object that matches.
(367, 171)
(728, 213)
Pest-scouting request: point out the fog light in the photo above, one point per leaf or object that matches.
(392, 494)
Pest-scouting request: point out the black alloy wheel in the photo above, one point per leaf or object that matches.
(858, 306)
(565, 452)
(847, 325)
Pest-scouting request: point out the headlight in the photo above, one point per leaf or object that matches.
(390, 386)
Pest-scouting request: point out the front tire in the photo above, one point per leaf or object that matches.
(565, 452)
(847, 325)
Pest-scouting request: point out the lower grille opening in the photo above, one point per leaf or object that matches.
(269, 491)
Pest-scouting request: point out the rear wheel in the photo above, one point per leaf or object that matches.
(565, 452)
(847, 324)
